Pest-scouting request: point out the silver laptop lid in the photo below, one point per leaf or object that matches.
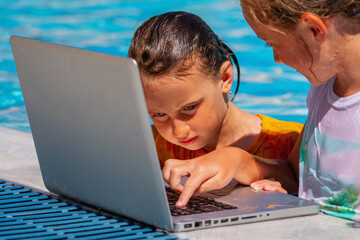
(91, 132)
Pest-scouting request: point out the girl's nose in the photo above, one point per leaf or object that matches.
(276, 57)
(180, 129)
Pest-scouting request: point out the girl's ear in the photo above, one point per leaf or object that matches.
(227, 76)
(313, 27)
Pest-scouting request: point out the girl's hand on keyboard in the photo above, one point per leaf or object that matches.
(209, 172)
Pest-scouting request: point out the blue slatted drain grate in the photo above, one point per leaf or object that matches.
(28, 214)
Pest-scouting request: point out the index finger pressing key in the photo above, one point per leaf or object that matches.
(191, 185)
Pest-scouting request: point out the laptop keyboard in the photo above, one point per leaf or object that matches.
(196, 205)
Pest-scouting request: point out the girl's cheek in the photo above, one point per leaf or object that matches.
(163, 128)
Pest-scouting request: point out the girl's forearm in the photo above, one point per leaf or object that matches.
(250, 168)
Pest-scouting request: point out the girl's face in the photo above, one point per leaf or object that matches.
(187, 111)
(305, 59)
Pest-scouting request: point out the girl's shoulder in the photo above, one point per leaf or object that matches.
(276, 139)
(270, 124)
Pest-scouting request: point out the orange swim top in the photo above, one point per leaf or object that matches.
(276, 140)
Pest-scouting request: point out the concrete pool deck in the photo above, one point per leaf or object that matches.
(19, 164)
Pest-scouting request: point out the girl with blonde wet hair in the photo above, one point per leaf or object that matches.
(321, 40)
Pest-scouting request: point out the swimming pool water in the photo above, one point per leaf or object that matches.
(108, 25)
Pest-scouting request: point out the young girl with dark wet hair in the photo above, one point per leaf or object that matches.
(187, 73)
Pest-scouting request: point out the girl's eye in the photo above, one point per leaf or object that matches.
(190, 108)
(159, 116)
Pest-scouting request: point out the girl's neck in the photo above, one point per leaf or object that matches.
(239, 129)
(348, 67)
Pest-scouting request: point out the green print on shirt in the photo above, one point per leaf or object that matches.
(343, 204)
(322, 144)
(303, 148)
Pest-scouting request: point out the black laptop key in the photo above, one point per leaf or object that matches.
(196, 205)
(210, 208)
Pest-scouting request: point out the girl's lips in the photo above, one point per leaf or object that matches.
(190, 141)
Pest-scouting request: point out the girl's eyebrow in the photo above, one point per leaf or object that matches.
(180, 108)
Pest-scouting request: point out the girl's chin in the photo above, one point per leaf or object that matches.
(193, 147)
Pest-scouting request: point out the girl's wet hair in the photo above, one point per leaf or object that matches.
(286, 14)
(169, 43)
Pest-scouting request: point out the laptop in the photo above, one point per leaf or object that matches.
(94, 143)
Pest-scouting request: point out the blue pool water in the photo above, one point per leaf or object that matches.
(107, 26)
